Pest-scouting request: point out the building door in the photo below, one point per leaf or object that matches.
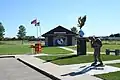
(50, 41)
(69, 40)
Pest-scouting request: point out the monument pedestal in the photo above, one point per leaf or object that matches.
(81, 46)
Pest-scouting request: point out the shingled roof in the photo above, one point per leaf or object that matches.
(58, 29)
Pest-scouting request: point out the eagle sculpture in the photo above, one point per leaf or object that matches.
(81, 21)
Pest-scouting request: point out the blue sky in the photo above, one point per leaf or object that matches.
(103, 16)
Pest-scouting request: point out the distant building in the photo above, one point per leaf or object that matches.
(60, 36)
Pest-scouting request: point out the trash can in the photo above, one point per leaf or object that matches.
(81, 46)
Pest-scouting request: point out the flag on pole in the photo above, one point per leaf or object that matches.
(34, 21)
(37, 24)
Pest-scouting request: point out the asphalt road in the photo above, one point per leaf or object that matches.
(12, 69)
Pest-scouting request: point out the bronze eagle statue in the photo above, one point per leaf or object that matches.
(81, 21)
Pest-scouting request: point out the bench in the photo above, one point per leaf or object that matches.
(116, 51)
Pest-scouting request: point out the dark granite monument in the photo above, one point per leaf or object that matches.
(81, 41)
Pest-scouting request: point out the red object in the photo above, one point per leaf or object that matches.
(38, 48)
(34, 21)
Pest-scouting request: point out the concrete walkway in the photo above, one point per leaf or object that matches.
(51, 54)
(93, 70)
(56, 71)
(75, 52)
(12, 69)
(65, 72)
(105, 62)
(70, 72)
(69, 49)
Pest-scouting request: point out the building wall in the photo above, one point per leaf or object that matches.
(74, 41)
(46, 41)
(50, 41)
(58, 37)
(69, 40)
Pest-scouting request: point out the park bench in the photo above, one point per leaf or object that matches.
(116, 51)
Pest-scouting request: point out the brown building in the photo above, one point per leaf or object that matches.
(60, 36)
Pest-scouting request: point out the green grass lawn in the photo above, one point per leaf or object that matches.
(104, 47)
(112, 75)
(55, 50)
(66, 60)
(16, 47)
(115, 65)
(12, 49)
(15, 42)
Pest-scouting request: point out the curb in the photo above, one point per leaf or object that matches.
(39, 70)
(7, 56)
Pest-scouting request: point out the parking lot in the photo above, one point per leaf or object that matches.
(12, 69)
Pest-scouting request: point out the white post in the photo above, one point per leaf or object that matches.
(40, 31)
(37, 31)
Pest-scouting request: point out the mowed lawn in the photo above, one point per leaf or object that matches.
(112, 75)
(24, 49)
(16, 47)
(55, 50)
(73, 59)
(103, 49)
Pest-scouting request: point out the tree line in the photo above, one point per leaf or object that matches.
(74, 29)
(29, 38)
(115, 35)
(21, 35)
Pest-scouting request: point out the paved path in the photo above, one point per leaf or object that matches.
(75, 52)
(69, 49)
(105, 62)
(70, 72)
(55, 70)
(12, 69)
(65, 72)
(87, 69)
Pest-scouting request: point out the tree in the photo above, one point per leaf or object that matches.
(30, 38)
(2, 30)
(74, 29)
(112, 35)
(21, 33)
(117, 35)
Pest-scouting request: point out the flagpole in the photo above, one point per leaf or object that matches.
(37, 32)
(40, 32)
(38, 28)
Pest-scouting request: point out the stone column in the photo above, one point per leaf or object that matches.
(81, 46)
